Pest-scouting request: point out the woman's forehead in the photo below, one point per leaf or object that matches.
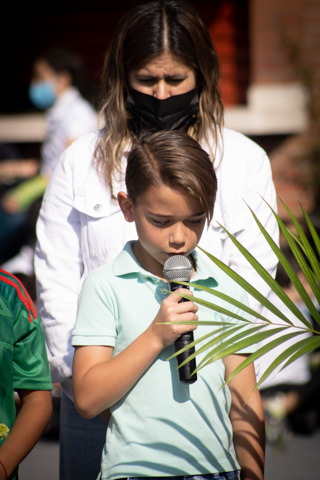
(166, 63)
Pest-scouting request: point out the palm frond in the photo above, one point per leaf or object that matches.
(298, 249)
(298, 349)
(222, 296)
(262, 351)
(237, 332)
(313, 232)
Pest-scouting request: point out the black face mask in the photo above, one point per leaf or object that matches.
(174, 113)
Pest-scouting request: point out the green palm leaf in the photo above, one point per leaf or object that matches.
(286, 353)
(234, 337)
(262, 351)
(221, 335)
(224, 297)
(310, 277)
(268, 278)
(243, 341)
(310, 345)
(253, 291)
(305, 244)
(313, 232)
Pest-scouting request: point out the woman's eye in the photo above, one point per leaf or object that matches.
(146, 80)
(175, 80)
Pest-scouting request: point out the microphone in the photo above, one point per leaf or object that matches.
(179, 268)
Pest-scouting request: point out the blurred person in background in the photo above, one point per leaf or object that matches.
(57, 77)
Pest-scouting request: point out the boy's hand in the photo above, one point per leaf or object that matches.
(173, 311)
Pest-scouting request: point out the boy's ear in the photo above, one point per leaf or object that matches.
(126, 206)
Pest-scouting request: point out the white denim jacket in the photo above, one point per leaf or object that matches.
(80, 227)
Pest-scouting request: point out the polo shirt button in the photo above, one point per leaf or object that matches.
(97, 207)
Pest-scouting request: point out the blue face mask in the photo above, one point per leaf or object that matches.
(42, 94)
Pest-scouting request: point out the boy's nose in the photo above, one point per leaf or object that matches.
(177, 235)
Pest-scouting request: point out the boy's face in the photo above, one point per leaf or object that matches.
(168, 222)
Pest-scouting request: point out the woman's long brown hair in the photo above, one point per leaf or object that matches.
(144, 33)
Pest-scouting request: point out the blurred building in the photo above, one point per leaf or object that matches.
(270, 61)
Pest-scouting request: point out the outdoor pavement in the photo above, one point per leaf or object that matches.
(299, 460)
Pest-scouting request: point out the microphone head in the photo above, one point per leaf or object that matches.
(177, 268)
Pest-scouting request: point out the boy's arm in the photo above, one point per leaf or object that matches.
(100, 380)
(34, 415)
(247, 419)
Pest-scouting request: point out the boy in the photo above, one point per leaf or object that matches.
(159, 426)
(23, 368)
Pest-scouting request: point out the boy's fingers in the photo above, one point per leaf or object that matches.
(184, 291)
(177, 295)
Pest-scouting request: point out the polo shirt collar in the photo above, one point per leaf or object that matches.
(126, 263)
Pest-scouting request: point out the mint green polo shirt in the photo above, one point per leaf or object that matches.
(161, 427)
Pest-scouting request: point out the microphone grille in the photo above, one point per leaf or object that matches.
(177, 268)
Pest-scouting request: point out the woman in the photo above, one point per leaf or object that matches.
(161, 72)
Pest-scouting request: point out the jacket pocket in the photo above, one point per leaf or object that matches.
(104, 231)
(95, 205)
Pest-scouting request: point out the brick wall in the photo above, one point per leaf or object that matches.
(284, 47)
(229, 30)
(274, 23)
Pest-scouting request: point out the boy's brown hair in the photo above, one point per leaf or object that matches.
(174, 159)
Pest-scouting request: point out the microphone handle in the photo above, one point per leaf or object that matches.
(185, 372)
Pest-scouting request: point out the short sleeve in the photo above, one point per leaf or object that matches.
(30, 362)
(96, 315)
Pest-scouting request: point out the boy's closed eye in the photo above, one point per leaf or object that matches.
(160, 223)
(197, 220)
(166, 222)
